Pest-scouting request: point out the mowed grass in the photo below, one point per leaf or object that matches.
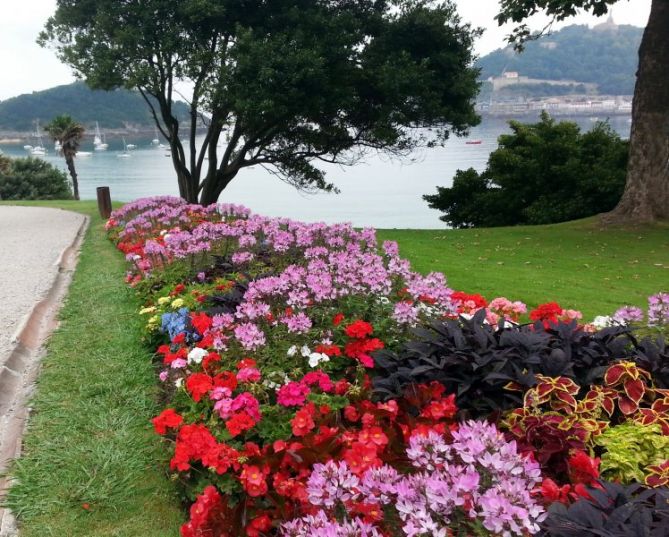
(92, 465)
(578, 264)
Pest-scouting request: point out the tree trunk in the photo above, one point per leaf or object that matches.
(646, 195)
(69, 160)
(213, 188)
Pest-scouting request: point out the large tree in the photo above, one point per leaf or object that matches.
(68, 133)
(646, 195)
(280, 83)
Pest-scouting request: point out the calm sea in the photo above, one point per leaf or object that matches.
(379, 191)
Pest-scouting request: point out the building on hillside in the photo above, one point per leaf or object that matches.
(608, 26)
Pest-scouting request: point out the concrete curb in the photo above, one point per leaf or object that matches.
(21, 367)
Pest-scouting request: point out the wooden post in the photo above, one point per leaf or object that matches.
(104, 202)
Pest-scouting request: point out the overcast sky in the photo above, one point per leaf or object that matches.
(26, 67)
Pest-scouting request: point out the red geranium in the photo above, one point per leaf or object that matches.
(168, 419)
(199, 384)
(201, 322)
(359, 329)
(241, 421)
(303, 422)
(548, 313)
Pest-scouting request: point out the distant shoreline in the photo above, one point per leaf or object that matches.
(15, 136)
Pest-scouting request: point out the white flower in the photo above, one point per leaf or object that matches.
(196, 355)
(292, 351)
(179, 382)
(305, 351)
(603, 321)
(316, 358)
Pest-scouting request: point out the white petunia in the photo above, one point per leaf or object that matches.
(603, 321)
(305, 351)
(196, 355)
(179, 382)
(292, 351)
(316, 358)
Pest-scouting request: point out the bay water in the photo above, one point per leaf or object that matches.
(378, 191)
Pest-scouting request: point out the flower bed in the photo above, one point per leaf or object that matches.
(316, 385)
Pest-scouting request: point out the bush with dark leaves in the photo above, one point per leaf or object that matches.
(478, 362)
(612, 511)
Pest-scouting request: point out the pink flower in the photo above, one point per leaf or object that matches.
(248, 374)
(293, 394)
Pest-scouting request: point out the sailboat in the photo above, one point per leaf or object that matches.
(125, 153)
(98, 143)
(39, 150)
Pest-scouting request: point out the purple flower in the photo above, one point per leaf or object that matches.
(250, 337)
(628, 314)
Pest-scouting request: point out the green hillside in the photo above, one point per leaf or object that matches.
(112, 109)
(607, 56)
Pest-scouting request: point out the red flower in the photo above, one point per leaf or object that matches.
(351, 413)
(337, 319)
(207, 515)
(468, 303)
(330, 350)
(226, 379)
(360, 349)
(178, 289)
(552, 493)
(211, 358)
(258, 526)
(359, 329)
(179, 338)
(241, 421)
(201, 322)
(582, 468)
(361, 457)
(168, 419)
(444, 408)
(373, 436)
(246, 362)
(548, 313)
(199, 384)
(303, 421)
(253, 480)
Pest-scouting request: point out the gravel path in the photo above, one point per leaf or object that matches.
(31, 242)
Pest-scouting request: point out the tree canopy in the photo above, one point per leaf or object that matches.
(283, 84)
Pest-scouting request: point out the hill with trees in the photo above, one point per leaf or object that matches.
(112, 109)
(606, 55)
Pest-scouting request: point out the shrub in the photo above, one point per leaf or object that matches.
(541, 173)
(33, 179)
(478, 361)
(630, 449)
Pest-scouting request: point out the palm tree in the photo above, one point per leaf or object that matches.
(68, 133)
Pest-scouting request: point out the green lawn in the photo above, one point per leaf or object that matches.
(89, 439)
(576, 263)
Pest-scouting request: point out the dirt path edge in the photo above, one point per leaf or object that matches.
(20, 369)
